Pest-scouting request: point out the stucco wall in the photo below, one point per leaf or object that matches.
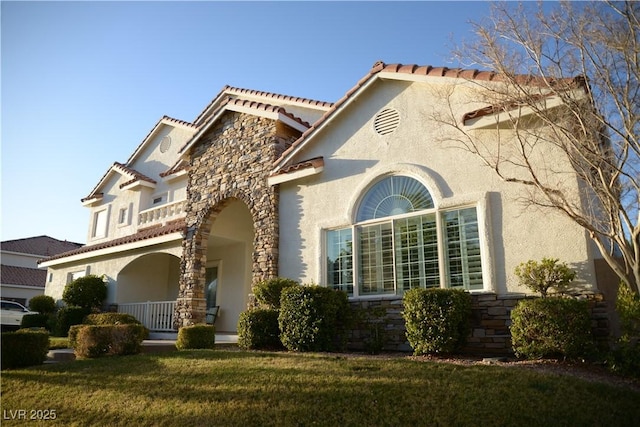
(150, 161)
(355, 156)
(109, 265)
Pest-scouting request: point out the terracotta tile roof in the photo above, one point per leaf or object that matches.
(12, 275)
(39, 245)
(230, 90)
(230, 103)
(175, 226)
(135, 175)
(315, 162)
(123, 169)
(180, 165)
(506, 106)
(417, 70)
(265, 107)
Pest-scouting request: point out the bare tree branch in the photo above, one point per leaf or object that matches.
(568, 81)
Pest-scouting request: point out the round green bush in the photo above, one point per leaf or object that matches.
(437, 320)
(313, 318)
(258, 330)
(196, 337)
(87, 292)
(67, 317)
(23, 348)
(268, 292)
(552, 327)
(43, 304)
(544, 275)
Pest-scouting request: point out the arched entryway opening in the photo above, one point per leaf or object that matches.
(228, 266)
(147, 288)
(151, 277)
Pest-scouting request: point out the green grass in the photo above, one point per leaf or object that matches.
(233, 388)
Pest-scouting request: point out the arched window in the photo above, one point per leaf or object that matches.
(394, 195)
(401, 241)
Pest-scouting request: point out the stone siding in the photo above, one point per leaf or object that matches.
(231, 161)
(490, 321)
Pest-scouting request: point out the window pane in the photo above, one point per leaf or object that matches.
(100, 224)
(340, 260)
(376, 259)
(394, 195)
(464, 268)
(416, 252)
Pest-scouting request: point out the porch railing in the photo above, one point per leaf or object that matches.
(161, 214)
(154, 315)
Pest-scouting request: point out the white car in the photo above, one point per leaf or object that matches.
(11, 313)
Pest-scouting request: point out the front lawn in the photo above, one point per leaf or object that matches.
(233, 388)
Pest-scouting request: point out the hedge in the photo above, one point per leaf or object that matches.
(24, 348)
(437, 320)
(196, 337)
(91, 341)
(258, 329)
(313, 318)
(552, 327)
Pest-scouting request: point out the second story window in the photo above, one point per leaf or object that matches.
(123, 216)
(100, 224)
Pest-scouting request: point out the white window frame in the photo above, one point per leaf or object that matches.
(103, 232)
(443, 261)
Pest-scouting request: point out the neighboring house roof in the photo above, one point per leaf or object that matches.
(178, 225)
(408, 72)
(39, 245)
(232, 92)
(23, 276)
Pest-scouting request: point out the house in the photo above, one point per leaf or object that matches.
(21, 278)
(364, 195)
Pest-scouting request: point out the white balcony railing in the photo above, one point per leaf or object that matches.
(162, 214)
(156, 316)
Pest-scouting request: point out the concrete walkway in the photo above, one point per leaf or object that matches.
(148, 346)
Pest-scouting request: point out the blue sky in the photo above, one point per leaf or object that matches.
(84, 82)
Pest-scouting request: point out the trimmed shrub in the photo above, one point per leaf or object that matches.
(547, 274)
(67, 317)
(628, 308)
(91, 341)
(196, 337)
(268, 292)
(625, 357)
(258, 329)
(87, 291)
(111, 319)
(437, 320)
(313, 318)
(24, 348)
(43, 304)
(35, 321)
(552, 327)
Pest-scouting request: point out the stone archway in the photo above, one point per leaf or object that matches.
(232, 162)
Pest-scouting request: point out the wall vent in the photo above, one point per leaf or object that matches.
(386, 121)
(165, 144)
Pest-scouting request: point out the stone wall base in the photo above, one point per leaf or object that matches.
(379, 324)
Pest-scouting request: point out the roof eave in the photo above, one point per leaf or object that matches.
(292, 176)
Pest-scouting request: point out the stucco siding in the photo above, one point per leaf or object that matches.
(355, 156)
